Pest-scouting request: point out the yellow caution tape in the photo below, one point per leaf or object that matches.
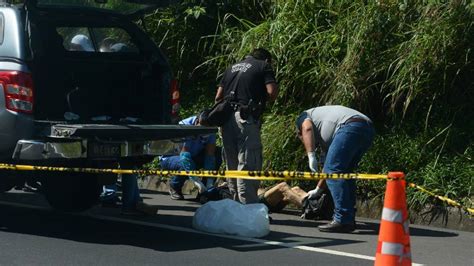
(253, 175)
(442, 198)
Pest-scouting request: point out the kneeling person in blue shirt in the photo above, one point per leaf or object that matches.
(197, 153)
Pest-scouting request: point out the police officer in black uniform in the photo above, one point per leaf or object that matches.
(249, 84)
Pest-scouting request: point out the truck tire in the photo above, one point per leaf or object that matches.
(71, 192)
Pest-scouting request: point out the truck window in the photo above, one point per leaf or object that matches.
(99, 40)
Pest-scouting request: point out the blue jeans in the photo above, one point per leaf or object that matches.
(348, 146)
(174, 163)
(130, 192)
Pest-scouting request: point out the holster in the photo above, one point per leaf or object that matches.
(251, 109)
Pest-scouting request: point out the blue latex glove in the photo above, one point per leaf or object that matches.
(186, 161)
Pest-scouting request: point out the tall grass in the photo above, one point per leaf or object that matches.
(349, 52)
(406, 64)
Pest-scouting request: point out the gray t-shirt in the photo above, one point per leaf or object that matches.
(327, 120)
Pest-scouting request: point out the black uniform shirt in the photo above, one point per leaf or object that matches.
(248, 79)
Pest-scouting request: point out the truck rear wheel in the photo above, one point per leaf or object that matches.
(71, 192)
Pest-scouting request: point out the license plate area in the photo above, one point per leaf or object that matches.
(103, 150)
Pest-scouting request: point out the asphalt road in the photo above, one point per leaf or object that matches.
(32, 234)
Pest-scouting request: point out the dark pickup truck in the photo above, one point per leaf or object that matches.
(81, 85)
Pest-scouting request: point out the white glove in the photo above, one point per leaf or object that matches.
(313, 162)
(312, 193)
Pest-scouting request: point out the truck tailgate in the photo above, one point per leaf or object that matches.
(128, 132)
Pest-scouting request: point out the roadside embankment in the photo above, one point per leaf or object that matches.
(450, 217)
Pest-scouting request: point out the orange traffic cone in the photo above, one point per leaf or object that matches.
(394, 238)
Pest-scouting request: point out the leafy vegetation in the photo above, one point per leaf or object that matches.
(407, 64)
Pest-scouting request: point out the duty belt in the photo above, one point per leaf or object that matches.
(235, 106)
(357, 119)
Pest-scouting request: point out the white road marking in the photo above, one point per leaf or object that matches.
(247, 239)
(190, 230)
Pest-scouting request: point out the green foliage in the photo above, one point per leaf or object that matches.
(380, 59)
(407, 64)
(426, 164)
(187, 34)
(279, 138)
(451, 177)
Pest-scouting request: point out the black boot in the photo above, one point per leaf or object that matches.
(336, 227)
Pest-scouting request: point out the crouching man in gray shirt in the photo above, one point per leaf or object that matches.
(344, 135)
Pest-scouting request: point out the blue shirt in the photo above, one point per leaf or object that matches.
(196, 145)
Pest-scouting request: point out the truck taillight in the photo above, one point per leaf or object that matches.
(175, 99)
(18, 90)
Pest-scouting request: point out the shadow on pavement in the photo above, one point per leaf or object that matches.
(370, 228)
(190, 208)
(298, 223)
(152, 192)
(92, 230)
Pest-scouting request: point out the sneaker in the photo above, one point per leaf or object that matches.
(32, 187)
(147, 208)
(176, 195)
(336, 227)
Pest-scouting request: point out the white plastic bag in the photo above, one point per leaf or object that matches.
(230, 217)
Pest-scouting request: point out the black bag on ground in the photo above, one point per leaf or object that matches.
(213, 194)
(321, 208)
(218, 114)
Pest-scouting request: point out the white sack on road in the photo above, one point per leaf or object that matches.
(230, 217)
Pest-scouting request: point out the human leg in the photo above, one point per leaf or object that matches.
(280, 195)
(249, 157)
(176, 183)
(247, 190)
(208, 162)
(347, 148)
(295, 196)
(274, 195)
(132, 203)
(299, 191)
(130, 191)
(217, 161)
(229, 138)
(188, 164)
